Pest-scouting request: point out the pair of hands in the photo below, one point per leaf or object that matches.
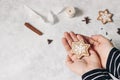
(99, 51)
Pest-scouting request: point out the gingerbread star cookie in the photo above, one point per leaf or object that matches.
(80, 49)
(105, 16)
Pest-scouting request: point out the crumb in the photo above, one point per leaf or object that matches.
(106, 33)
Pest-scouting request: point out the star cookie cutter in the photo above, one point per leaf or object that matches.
(80, 49)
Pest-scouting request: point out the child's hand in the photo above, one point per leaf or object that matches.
(103, 46)
(86, 63)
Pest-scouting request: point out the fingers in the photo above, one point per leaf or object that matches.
(98, 38)
(93, 42)
(79, 37)
(93, 55)
(87, 39)
(84, 38)
(71, 54)
(92, 52)
(66, 44)
(71, 64)
(69, 38)
(74, 58)
(69, 60)
(74, 36)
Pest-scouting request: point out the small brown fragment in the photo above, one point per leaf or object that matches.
(28, 25)
(49, 41)
(111, 40)
(106, 33)
(118, 31)
(101, 28)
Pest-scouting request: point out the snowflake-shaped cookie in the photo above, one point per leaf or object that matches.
(80, 49)
(105, 16)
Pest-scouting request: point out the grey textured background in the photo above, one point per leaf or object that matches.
(26, 56)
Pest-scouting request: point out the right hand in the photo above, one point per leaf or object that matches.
(102, 46)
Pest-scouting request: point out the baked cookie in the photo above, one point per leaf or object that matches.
(80, 49)
(105, 16)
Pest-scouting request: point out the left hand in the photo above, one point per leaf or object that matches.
(74, 64)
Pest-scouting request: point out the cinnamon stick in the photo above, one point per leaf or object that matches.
(28, 25)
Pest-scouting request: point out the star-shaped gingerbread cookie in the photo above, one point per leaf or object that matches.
(105, 16)
(80, 49)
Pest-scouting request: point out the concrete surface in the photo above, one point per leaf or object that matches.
(26, 56)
